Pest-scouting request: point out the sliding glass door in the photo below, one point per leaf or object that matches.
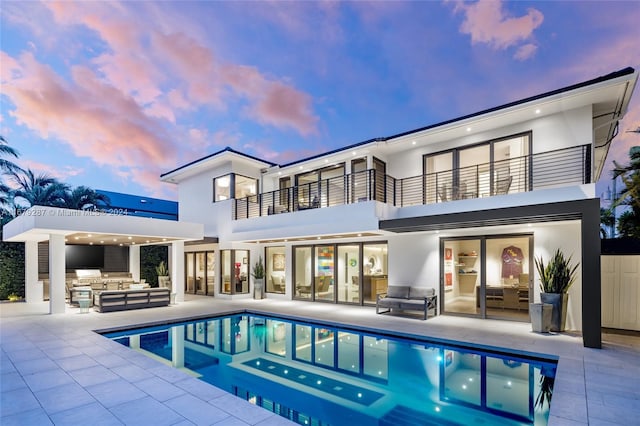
(487, 276)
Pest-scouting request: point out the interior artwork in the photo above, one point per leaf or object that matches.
(278, 262)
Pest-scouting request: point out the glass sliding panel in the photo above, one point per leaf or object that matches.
(303, 342)
(380, 174)
(302, 272)
(211, 272)
(275, 269)
(375, 357)
(225, 271)
(438, 183)
(333, 186)
(245, 186)
(348, 263)
(462, 276)
(474, 178)
(359, 190)
(241, 272)
(510, 165)
(276, 332)
(323, 279)
(374, 269)
(307, 191)
(200, 275)
(284, 199)
(191, 274)
(349, 352)
(222, 188)
(507, 270)
(324, 347)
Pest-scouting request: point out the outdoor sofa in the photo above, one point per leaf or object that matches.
(406, 298)
(123, 300)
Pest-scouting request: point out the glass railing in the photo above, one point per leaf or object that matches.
(563, 167)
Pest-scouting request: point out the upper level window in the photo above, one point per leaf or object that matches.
(233, 186)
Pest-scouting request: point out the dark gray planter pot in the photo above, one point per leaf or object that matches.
(559, 302)
(540, 314)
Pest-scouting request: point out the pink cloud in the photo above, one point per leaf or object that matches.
(94, 119)
(487, 22)
(169, 69)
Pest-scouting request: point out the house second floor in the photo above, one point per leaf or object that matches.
(543, 149)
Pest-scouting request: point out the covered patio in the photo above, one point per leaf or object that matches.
(60, 227)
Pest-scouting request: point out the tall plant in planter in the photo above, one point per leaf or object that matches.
(556, 277)
(163, 275)
(257, 273)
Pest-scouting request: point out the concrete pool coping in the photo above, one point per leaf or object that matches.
(43, 352)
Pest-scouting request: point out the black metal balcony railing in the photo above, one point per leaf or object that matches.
(563, 167)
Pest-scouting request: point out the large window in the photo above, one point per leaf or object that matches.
(495, 167)
(200, 272)
(233, 185)
(487, 276)
(276, 268)
(343, 273)
(234, 268)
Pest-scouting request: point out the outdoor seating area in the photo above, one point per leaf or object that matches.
(405, 298)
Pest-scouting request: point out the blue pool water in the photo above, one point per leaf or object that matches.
(319, 374)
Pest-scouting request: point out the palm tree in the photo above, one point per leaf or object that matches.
(606, 222)
(40, 190)
(83, 197)
(629, 223)
(7, 166)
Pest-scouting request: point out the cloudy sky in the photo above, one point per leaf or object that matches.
(112, 94)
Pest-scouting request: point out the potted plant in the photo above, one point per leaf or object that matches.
(163, 275)
(556, 277)
(258, 279)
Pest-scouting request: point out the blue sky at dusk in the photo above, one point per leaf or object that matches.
(112, 94)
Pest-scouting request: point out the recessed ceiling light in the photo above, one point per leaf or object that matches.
(164, 239)
(101, 241)
(326, 161)
(90, 244)
(413, 142)
(359, 235)
(353, 153)
(120, 244)
(129, 237)
(538, 111)
(115, 239)
(279, 173)
(133, 242)
(318, 238)
(468, 129)
(89, 235)
(286, 240)
(65, 240)
(77, 238)
(147, 241)
(300, 167)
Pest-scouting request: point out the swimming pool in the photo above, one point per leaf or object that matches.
(320, 374)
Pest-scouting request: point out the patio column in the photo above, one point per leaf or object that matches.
(176, 258)
(33, 289)
(56, 274)
(134, 262)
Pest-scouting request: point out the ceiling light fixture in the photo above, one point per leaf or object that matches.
(468, 129)
(538, 111)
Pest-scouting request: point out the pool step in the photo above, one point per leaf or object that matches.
(405, 416)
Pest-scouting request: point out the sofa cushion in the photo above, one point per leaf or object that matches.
(421, 292)
(390, 302)
(398, 291)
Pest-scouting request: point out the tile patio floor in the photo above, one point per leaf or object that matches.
(55, 370)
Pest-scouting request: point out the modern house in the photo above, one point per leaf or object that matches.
(462, 206)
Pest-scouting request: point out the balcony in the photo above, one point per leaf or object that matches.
(564, 167)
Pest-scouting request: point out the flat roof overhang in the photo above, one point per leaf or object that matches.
(94, 227)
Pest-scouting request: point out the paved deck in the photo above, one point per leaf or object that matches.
(55, 370)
